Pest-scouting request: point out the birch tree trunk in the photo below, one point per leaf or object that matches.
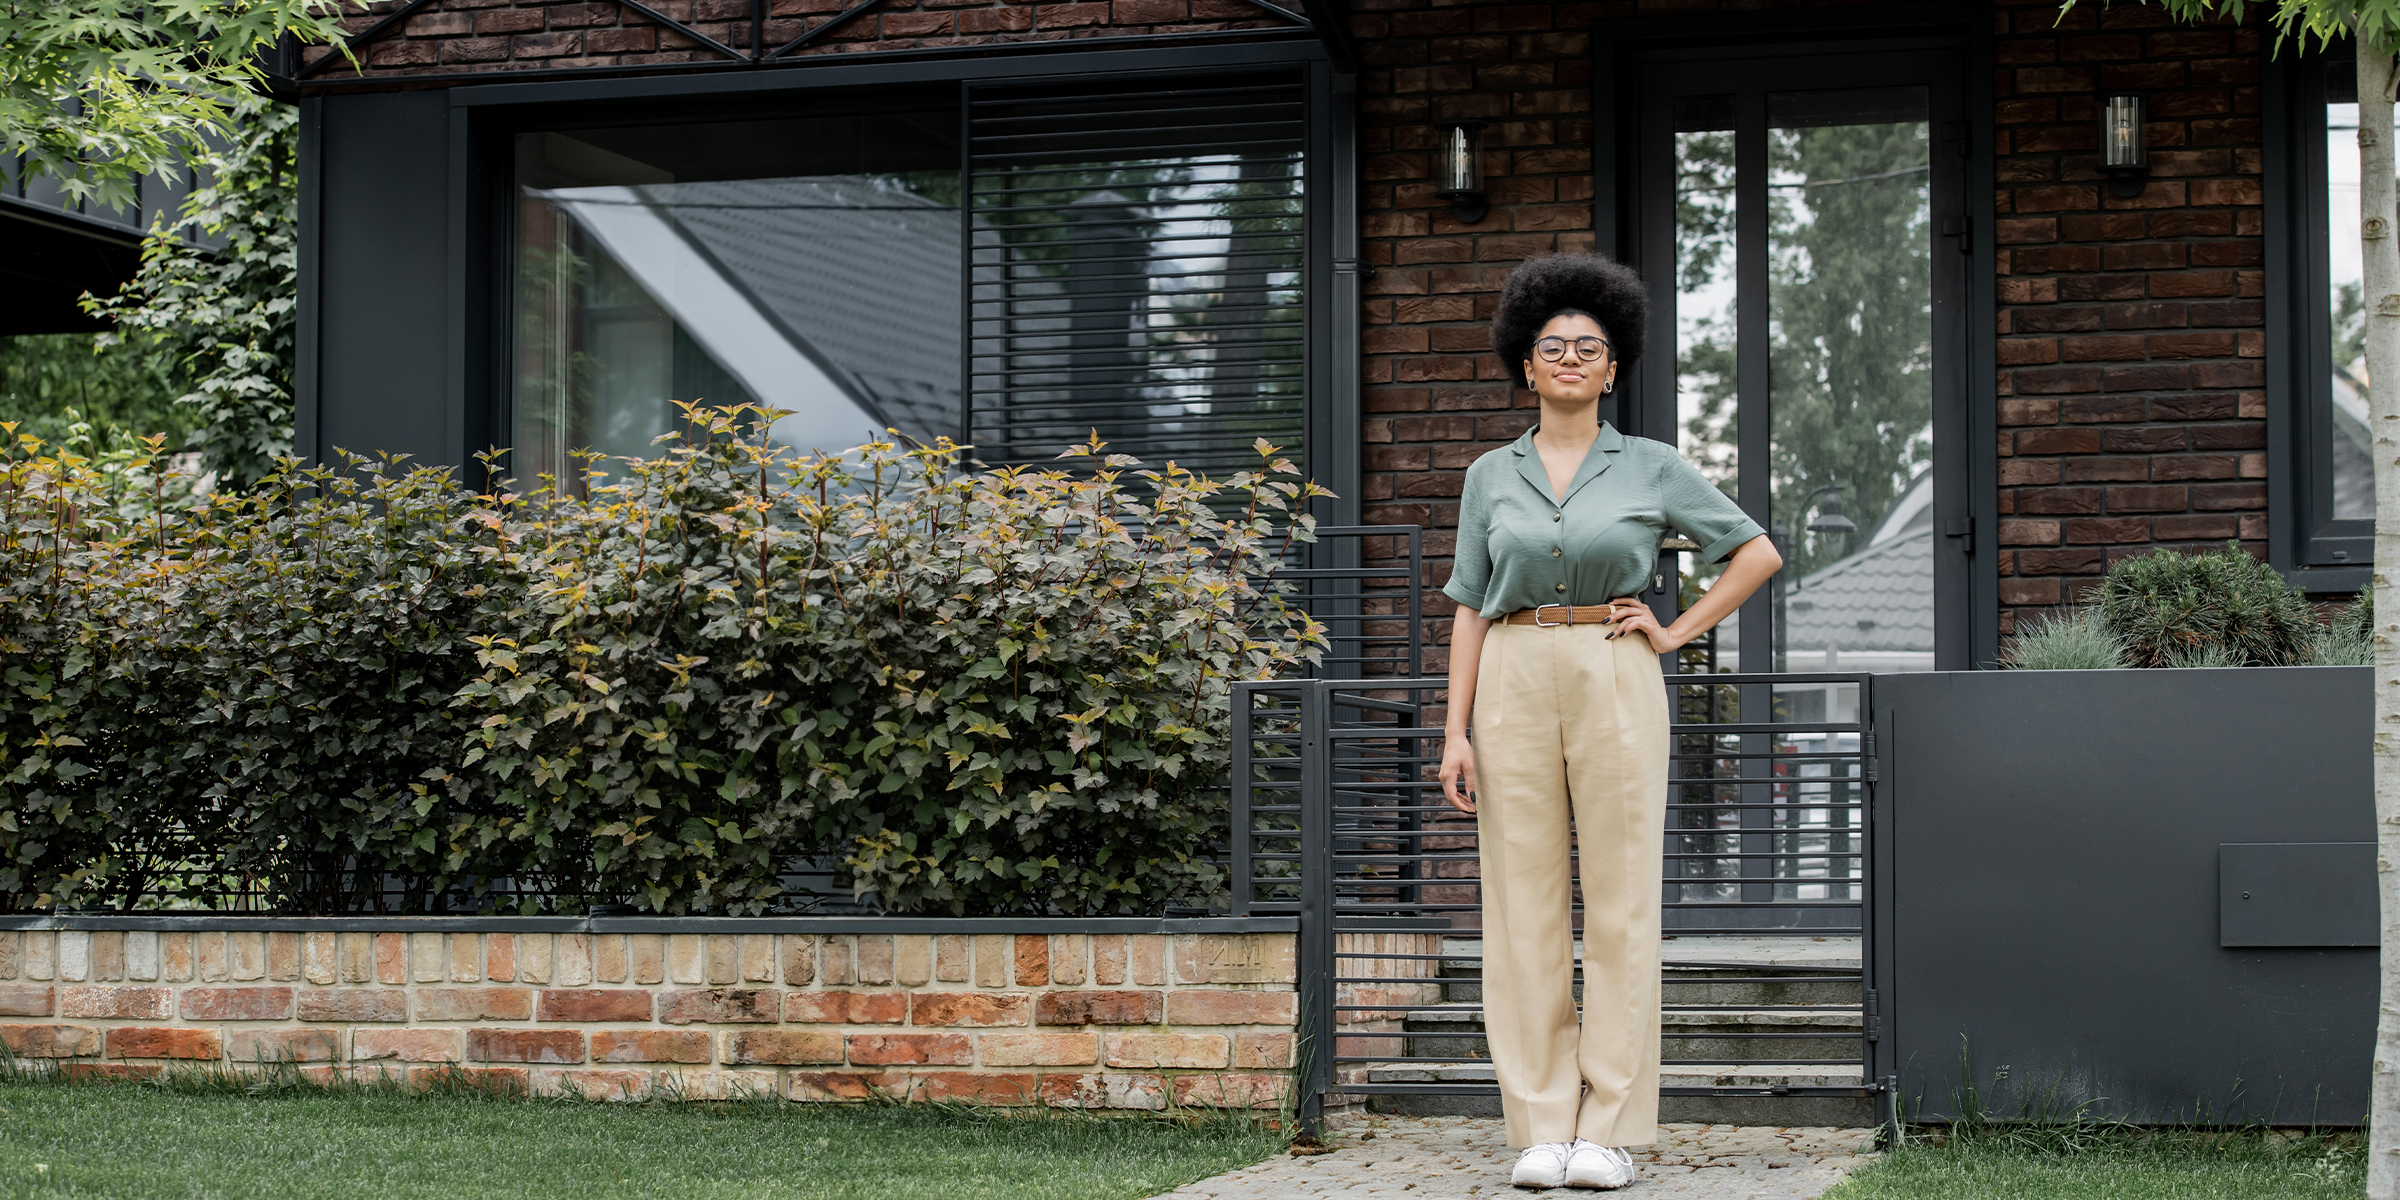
(2377, 206)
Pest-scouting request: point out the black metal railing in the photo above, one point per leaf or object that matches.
(1337, 818)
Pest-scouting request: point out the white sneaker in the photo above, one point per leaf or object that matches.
(1592, 1165)
(1543, 1166)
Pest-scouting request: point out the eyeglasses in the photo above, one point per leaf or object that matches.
(1553, 349)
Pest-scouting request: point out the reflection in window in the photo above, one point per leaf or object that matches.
(1705, 257)
(1850, 307)
(2352, 466)
(809, 265)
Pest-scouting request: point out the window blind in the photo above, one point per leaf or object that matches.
(1136, 268)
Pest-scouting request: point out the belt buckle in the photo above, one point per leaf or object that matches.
(1537, 615)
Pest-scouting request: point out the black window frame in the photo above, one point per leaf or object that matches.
(2311, 547)
(486, 118)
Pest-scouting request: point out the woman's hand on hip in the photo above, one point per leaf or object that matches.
(1629, 615)
(1458, 773)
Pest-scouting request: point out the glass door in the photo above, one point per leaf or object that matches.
(1799, 222)
(1793, 219)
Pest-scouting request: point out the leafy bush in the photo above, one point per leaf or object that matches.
(2222, 607)
(966, 692)
(235, 690)
(2078, 640)
(228, 317)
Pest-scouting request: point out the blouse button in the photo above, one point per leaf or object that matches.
(1555, 552)
(1561, 587)
(1555, 516)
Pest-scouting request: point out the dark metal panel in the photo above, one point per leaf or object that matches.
(2297, 894)
(2051, 862)
(1330, 20)
(306, 389)
(1982, 362)
(1334, 451)
(383, 287)
(55, 256)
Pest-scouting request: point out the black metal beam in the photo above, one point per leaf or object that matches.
(1331, 21)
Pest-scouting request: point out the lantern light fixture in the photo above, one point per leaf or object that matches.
(2124, 154)
(1459, 171)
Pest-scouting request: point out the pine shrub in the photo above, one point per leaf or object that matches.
(2224, 607)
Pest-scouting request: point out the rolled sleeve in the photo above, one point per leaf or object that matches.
(1707, 516)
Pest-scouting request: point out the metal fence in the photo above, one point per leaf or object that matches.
(1337, 818)
(1374, 615)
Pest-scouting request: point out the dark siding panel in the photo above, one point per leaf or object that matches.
(2053, 845)
(382, 276)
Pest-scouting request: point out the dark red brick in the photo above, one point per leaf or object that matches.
(525, 1045)
(1099, 1008)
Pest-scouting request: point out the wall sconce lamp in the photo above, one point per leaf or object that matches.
(1460, 170)
(2124, 157)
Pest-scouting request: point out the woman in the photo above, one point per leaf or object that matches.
(1570, 711)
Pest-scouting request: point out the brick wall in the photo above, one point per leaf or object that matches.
(1435, 395)
(1123, 1021)
(457, 36)
(2132, 347)
(2129, 334)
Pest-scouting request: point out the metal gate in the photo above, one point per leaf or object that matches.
(1769, 985)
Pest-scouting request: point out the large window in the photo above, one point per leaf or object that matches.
(807, 264)
(1124, 258)
(2325, 477)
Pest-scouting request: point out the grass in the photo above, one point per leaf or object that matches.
(2046, 1145)
(194, 1139)
(2115, 1165)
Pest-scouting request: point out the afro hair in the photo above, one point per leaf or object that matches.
(1546, 285)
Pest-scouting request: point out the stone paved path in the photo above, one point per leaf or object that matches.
(1417, 1158)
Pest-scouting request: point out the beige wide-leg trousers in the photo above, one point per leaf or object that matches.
(1566, 718)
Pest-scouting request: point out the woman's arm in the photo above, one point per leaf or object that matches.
(1752, 562)
(1458, 758)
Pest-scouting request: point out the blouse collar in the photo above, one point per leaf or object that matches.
(1596, 461)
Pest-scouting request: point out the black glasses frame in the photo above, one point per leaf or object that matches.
(1587, 349)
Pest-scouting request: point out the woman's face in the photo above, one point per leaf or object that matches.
(1571, 379)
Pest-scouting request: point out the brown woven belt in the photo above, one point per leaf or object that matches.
(1561, 614)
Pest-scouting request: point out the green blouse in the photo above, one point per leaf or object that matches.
(1519, 548)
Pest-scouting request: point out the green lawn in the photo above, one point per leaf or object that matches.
(2171, 1166)
(159, 1144)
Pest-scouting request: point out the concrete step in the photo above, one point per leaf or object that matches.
(1838, 1111)
(1447, 1031)
(1715, 970)
(1788, 984)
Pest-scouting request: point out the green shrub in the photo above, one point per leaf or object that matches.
(235, 690)
(2224, 607)
(2076, 640)
(965, 692)
(2349, 639)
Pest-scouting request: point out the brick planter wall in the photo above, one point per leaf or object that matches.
(1073, 1020)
